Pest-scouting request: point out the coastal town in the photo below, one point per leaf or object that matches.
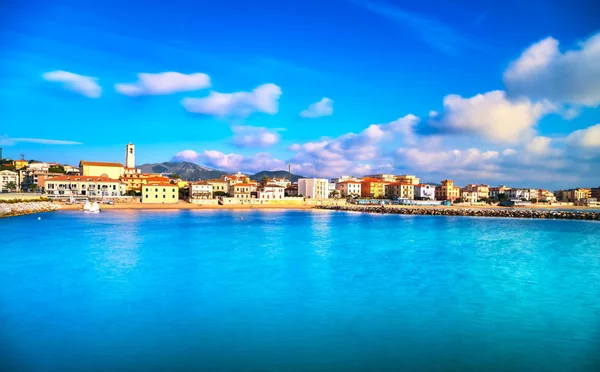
(114, 182)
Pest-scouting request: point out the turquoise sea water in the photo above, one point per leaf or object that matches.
(296, 291)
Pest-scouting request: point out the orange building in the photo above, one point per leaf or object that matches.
(447, 191)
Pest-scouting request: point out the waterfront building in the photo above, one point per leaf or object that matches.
(399, 190)
(497, 192)
(372, 188)
(314, 188)
(160, 193)
(8, 177)
(283, 182)
(546, 196)
(483, 191)
(595, 192)
(35, 179)
(348, 188)
(271, 191)
(470, 196)
(66, 185)
(383, 177)
(447, 191)
(242, 190)
(424, 192)
(291, 190)
(406, 178)
(219, 186)
(518, 194)
(232, 179)
(200, 190)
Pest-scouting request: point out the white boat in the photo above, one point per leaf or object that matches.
(87, 206)
(95, 208)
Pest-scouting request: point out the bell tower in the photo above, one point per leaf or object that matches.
(130, 156)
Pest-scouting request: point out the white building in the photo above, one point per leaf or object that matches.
(85, 185)
(348, 188)
(469, 196)
(283, 182)
(424, 192)
(201, 190)
(7, 177)
(314, 188)
(271, 192)
(344, 179)
(518, 194)
(384, 177)
(38, 166)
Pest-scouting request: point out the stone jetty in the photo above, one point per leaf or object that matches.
(17, 209)
(473, 212)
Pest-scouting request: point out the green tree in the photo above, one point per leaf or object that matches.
(131, 193)
(34, 188)
(11, 186)
(459, 200)
(174, 176)
(56, 169)
(220, 193)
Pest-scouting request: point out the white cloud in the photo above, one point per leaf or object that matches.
(84, 85)
(164, 83)
(263, 98)
(322, 108)
(447, 161)
(509, 152)
(249, 136)
(236, 162)
(8, 141)
(585, 138)
(539, 145)
(491, 116)
(186, 155)
(543, 72)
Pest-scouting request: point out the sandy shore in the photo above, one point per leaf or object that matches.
(185, 205)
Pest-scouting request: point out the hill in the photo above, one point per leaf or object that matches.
(275, 174)
(185, 170)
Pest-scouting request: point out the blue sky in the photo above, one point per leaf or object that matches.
(477, 91)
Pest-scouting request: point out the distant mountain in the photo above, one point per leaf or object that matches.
(275, 174)
(185, 170)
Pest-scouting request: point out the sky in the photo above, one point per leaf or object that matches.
(475, 91)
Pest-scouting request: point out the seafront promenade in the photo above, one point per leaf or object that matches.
(472, 212)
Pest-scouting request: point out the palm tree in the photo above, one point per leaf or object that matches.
(11, 186)
(33, 188)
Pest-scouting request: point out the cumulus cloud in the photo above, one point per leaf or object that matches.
(84, 85)
(538, 145)
(164, 83)
(509, 152)
(236, 162)
(249, 136)
(322, 108)
(349, 152)
(186, 155)
(491, 116)
(264, 98)
(446, 161)
(543, 72)
(8, 141)
(588, 138)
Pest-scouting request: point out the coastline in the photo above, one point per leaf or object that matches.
(188, 206)
(588, 214)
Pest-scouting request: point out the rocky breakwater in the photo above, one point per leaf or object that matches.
(17, 209)
(473, 212)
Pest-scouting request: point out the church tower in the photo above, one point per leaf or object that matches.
(130, 156)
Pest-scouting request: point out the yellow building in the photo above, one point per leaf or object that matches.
(447, 191)
(160, 193)
(406, 178)
(400, 190)
(101, 169)
(20, 164)
(372, 188)
(483, 191)
(219, 186)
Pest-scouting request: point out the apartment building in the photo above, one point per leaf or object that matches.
(84, 186)
(314, 188)
(348, 188)
(200, 190)
(242, 190)
(447, 191)
(7, 179)
(424, 192)
(406, 178)
(160, 193)
(271, 191)
(399, 190)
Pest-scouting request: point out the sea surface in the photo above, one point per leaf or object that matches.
(297, 291)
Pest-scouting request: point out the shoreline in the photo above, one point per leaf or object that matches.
(588, 215)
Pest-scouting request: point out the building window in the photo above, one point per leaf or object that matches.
(164, 196)
(146, 195)
(146, 190)
(155, 196)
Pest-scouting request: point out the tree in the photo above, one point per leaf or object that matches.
(11, 186)
(220, 193)
(34, 188)
(459, 200)
(131, 193)
(534, 200)
(56, 169)
(174, 176)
